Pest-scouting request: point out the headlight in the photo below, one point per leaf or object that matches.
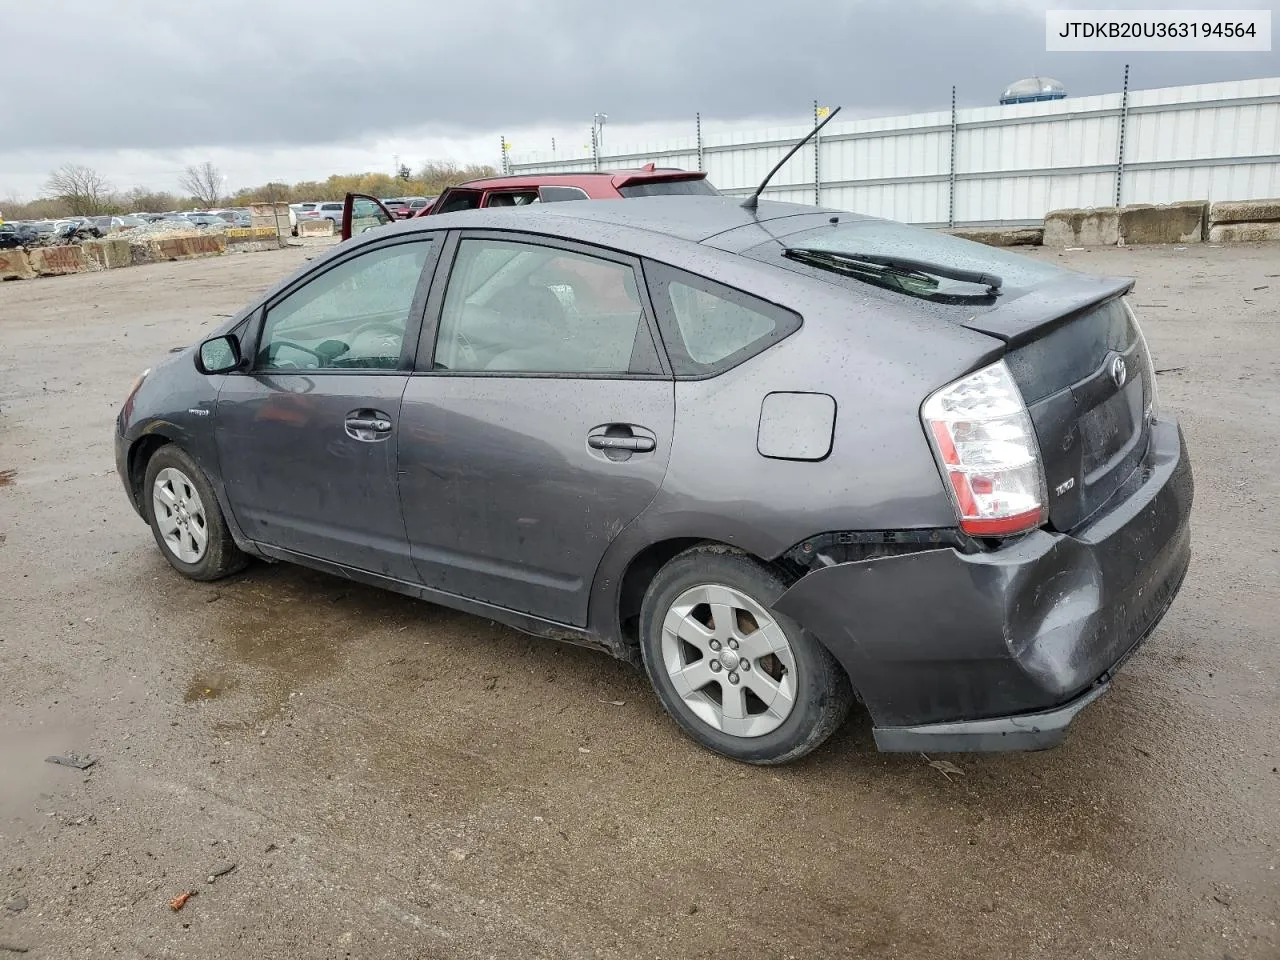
(137, 382)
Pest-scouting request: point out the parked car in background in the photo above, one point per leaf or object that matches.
(405, 207)
(82, 227)
(328, 210)
(362, 212)
(15, 233)
(205, 219)
(419, 205)
(234, 217)
(43, 228)
(115, 224)
(784, 456)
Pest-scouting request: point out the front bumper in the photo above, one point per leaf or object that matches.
(1000, 650)
(122, 468)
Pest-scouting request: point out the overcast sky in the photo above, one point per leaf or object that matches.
(291, 89)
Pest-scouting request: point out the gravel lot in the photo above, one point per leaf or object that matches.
(392, 779)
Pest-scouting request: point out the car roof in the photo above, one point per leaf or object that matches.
(690, 218)
(618, 178)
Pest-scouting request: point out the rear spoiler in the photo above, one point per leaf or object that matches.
(1038, 311)
(650, 173)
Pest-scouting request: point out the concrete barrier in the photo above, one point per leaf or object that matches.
(1244, 232)
(14, 265)
(1135, 224)
(236, 234)
(1082, 228)
(1013, 237)
(1244, 211)
(1163, 223)
(187, 248)
(110, 253)
(315, 228)
(56, 261)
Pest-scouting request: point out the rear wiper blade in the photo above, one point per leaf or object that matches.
(905, 266)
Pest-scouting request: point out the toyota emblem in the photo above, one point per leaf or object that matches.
(1119, 371)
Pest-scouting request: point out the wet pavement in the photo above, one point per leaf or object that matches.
(392, 779)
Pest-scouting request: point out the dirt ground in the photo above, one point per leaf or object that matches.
(395, 780)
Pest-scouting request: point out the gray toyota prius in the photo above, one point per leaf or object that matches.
(785, 457)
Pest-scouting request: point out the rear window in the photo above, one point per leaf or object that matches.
(698, 187)
(331, 206)
(891, 239)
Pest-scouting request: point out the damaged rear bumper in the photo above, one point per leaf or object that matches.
(1001, 650)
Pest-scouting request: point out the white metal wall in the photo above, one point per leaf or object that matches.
(1013, 164)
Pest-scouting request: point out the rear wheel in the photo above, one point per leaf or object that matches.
(740, 679)
(185, 518)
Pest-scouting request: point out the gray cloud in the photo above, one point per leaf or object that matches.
(266, 73)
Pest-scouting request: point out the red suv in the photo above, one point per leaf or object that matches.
(361, 212)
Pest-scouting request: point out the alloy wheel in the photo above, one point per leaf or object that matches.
(729, 660)
(180, 515)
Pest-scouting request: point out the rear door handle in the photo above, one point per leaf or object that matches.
(631, 444)
(361, 423)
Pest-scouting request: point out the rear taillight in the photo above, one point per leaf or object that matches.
(988, 452)
(1152, 398)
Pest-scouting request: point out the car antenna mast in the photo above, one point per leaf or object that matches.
(753, 201)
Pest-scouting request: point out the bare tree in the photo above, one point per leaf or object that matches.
(85, 191)
(204, 182)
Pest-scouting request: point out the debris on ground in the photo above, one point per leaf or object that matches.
(180, 901)
(17, 905)
(614, 703)
(10, 948)
(220, 871)
(944, 767)
(72, 760)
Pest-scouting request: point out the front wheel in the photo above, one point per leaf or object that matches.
(185, 518)
(744, 681)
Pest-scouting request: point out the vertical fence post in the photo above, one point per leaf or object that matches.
(697, 120)
(817, 161)
(951, 190)
(1124, 122)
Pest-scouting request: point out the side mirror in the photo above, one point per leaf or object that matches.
(219, 355)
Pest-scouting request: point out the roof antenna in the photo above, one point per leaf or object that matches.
(753, 201)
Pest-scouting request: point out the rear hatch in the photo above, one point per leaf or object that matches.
(1072, 345)
(1077, 355)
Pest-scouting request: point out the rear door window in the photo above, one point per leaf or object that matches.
(514, 307)
(709, 328)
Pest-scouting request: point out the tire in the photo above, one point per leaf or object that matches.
(181, 508)
(787, 693)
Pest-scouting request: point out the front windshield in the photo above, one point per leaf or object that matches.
(886, 238)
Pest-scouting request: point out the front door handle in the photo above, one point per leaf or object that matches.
(367, 425)
(630, 444)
